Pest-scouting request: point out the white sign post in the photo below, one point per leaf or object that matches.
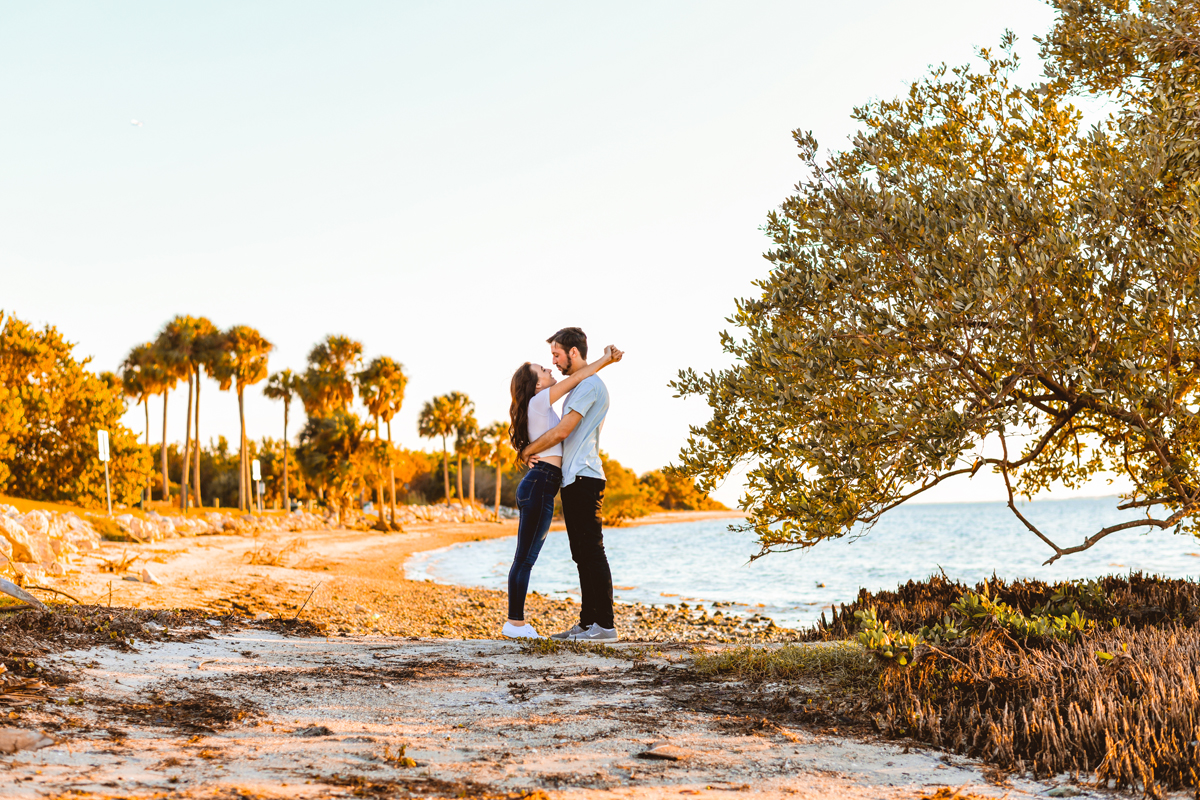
(102, 447)
(256, 475)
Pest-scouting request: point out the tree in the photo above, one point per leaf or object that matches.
(283, 385)
(673, 492)
(977, 268)
(158, 365)
(440, 417)
(381, 386)
(51, 406)
(625, 498)
(463, 411)
(245, 366)
(332, 453)
(499, 453)
(468, 445)
(327, 386)
(141, 379)
(176, 345)
(208, 351)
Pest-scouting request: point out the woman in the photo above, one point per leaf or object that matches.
(534, 392)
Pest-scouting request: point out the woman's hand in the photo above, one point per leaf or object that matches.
(612, 355)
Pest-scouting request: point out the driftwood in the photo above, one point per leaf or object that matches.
(12, 590)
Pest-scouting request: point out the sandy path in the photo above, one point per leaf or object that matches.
(327, 717)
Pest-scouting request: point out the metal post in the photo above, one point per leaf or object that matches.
(107, 489)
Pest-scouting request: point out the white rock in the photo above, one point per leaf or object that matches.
(14, 739)
(21, 549)
(150, 577)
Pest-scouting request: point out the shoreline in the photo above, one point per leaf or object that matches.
(353, 582)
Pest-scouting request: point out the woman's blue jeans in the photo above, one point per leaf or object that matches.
(535, 501)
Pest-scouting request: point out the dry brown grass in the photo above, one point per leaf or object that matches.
(1120, 702)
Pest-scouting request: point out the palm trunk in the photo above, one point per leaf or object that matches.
(458, 481)
(241, 452)
(166, 483)
(379, 479)
(187, 451)
(149, 480)
(499, 472)
(472, 460)
(446, 469)
(391, 472)
(196, 475)
(287, 503)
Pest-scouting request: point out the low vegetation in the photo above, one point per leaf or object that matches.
(1099, 677)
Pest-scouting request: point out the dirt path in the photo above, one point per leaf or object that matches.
(254, 714)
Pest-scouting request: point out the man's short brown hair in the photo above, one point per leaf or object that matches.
(570, 337)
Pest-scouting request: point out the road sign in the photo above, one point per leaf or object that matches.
(102, 448)
(255, 470)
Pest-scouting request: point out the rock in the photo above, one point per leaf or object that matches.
(1064, 791)
(155, 627)
(14, 739)
(260, 616)
(36, 522)
(665, 751)
(315, 730)
(150, 577)
(18, 538)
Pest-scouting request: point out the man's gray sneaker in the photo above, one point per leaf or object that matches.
(596, 634)
(571, 634)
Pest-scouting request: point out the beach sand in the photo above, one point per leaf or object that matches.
(404, 692)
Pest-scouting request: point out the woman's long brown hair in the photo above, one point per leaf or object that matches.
(523, 387)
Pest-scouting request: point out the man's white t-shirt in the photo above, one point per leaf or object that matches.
(542, 419)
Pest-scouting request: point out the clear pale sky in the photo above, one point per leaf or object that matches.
(447, 182)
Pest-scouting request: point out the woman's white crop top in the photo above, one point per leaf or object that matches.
(541, 419)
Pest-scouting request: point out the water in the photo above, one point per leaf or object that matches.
(704, 562)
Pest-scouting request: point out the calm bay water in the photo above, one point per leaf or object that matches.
(705, 562)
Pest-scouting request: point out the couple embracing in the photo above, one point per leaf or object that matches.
(562, 453)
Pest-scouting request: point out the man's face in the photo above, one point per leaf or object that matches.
(562, 358)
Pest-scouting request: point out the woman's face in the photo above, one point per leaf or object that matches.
(544, 377)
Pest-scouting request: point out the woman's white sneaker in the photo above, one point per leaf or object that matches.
(525, 631)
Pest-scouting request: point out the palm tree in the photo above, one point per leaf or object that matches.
(327, 386)
(468, 444)
(245, 366)
(158, 371)
(381, 386)
(464, 424)
(175, 344)
(283, 385)
(208, 350)
(138, 380)
(439, 417)
(500, 453)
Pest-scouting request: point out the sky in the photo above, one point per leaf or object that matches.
(447, 182)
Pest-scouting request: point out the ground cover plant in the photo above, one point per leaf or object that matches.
(1092, 677)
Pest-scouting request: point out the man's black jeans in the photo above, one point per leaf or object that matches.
(581, 504)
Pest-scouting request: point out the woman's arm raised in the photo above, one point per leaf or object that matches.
(611, 356)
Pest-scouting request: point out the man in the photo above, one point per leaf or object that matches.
(582, 486)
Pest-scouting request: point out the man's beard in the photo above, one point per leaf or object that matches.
(569, 368)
